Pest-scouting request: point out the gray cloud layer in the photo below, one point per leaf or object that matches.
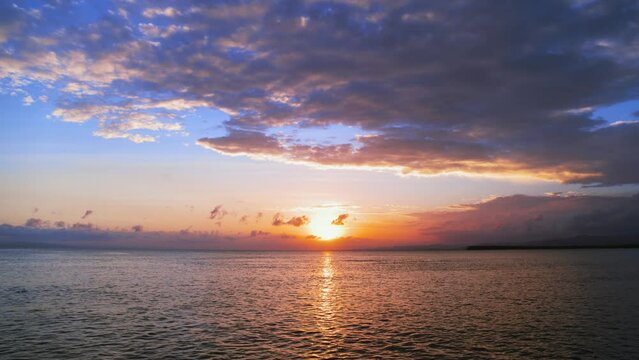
(96, 238)
(475, 86)
(521, 218)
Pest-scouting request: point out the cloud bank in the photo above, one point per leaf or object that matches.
(520, 218)
(97, 238)
(506, 88)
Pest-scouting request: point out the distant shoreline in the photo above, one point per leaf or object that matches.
(550, 247)
(391, 249)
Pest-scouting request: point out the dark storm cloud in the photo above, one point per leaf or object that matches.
(475, 86)
(340, 219)
(296, 221)
(521, 218)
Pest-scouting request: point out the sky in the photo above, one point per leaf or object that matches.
(317, 124)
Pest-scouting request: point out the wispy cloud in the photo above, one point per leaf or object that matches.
(86, 214)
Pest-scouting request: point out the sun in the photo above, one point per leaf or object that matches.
(321, 226)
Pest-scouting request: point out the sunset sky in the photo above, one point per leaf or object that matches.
(312, 124)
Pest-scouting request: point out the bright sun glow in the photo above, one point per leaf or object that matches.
(321, 226)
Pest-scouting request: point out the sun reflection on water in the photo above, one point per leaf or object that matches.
(326, 296)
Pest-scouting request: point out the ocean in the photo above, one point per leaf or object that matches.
(549, 304)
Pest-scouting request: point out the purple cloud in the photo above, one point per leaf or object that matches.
(512, 88)
(217, 213)
(296, 221)
(522, 218)
(86, 214)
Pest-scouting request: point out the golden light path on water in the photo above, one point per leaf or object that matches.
(327, 297)
(319, 305)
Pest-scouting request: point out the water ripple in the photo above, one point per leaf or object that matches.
(360, 305)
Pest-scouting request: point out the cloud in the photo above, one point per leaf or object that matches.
(36, 223)
(84, 236)
(243, 219)
(244, 142)
(217, 213)
(86, 214)
(340, 219)
(154, 31)
(86, 227)
(153, 12)
(28, 100)
(256, 233)
(296, 221)
(11, 20)
(137, 228)
(498, 88)
(136, 138)
(60, 224)
(522, 218)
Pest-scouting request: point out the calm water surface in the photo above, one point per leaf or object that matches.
(502, 304)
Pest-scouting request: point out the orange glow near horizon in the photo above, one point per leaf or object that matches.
(322, 227)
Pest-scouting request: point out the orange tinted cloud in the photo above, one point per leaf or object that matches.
(340, 219)
(296, 221)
